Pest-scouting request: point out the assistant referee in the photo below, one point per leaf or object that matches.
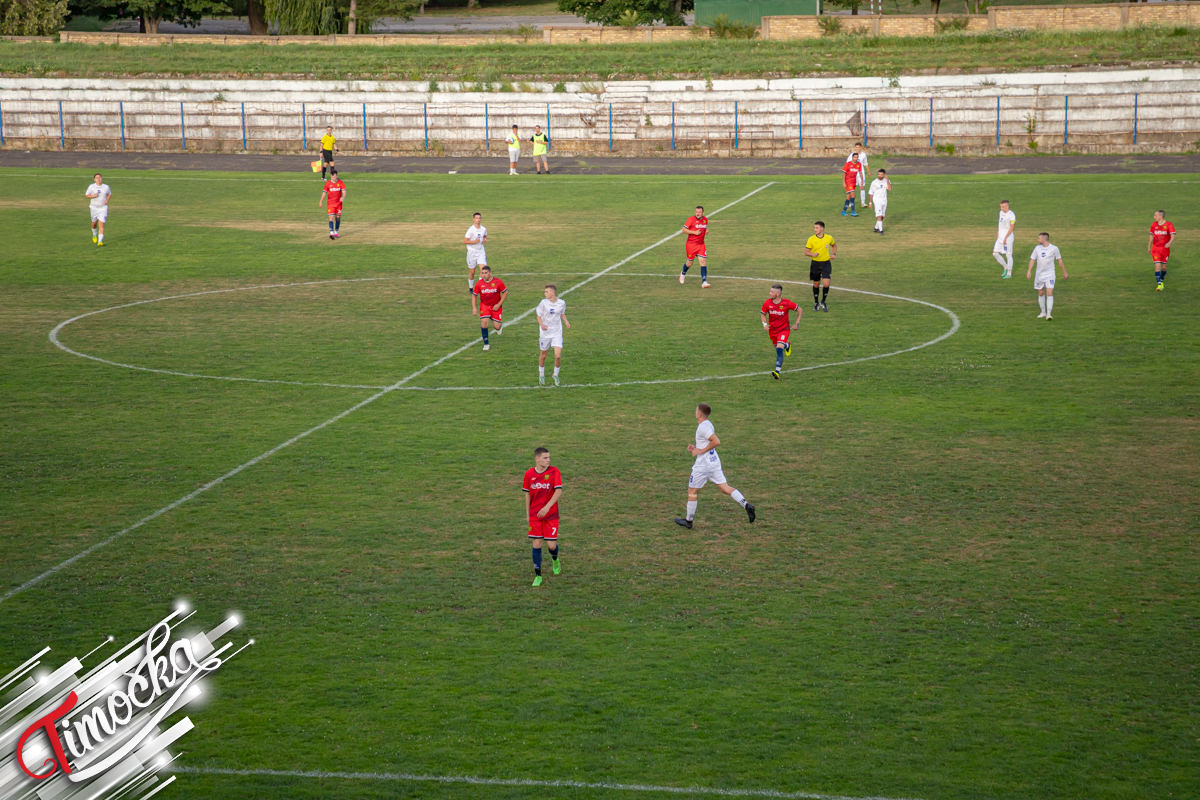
(328, 148)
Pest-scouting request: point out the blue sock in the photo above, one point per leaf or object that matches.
(337, 222)
(537, 560)
(685, 269)
(845, 204)
(703, 273)
(554, 554)
(778, 357)
(484, 332)
(851, 205)
(331, 226)
(1162, 276)
(1158, 276)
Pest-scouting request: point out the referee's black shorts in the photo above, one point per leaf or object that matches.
(327, 156)
(820, 269)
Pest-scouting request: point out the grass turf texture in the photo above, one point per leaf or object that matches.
(842, 55)
(974, 570)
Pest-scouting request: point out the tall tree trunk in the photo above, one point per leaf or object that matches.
(352, 23)
(256, 12)
(935, 4)
(472, 3)
(151, 24)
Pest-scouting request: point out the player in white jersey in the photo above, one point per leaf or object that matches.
(707, 467)
(878, 194)
(514, 150)
(98, 195)
(474, 239)
(863, 194)
(1044, 256)
(1002, 251)
(551, 317)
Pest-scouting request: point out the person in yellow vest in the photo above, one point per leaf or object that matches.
(514, 150)
(541, 143)
(328, 148)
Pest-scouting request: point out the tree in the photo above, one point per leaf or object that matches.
(320, 17)
(33, 17)
(151, 12)
(610, 12)
(853, 5)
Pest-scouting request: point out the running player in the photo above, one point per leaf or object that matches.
(822, 249)
(696, 229)
(852, 175)
(862, 179)
(878, 195)
(1002, 251)
(514, 150)
(1044, 256)
(491, 293)
(775, 322)
(475, 238)
(1162, 233)
(328, 148)
(331, 197)
(542, 486)
(551, 317)
(98, 195)
(707, 467)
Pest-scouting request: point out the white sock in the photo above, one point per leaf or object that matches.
(739, 498)
(556, 369)
(541, 372)
(1049, 304)
(102, 237)
(862, 196)
(93, 233)
(1042, 302)
(1008, 262)
(691, 509)
(1000, 258)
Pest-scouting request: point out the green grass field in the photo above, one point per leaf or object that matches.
(974, 572)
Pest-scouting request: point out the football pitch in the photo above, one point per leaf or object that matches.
(974, 572)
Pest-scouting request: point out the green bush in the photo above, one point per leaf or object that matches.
(830, 26)
(33, 17)
(725, 28)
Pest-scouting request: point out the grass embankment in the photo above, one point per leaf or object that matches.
(841, 55)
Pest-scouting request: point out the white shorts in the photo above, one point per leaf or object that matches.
(1043, 282)
(100, 214)
(1001, 246)
(476, 258)
(881, 208)
(514, 153)
(707, 468)
(547, 340)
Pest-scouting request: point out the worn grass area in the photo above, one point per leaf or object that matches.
(974, 573)
(842, 55)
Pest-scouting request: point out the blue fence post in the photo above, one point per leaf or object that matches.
(122, 109)
(303, 126)
(997, 122)
(931, 122)
(673, 126)
(735, 124)
(182, 129)
(610, 127)
(487, 139)
(549, 143)
(62, 133)
(1135, 101)
(243, 126)
(799, 124)
(364, 127)
(2, 126)
(425, 112)
(864, 121)
(1066, 115)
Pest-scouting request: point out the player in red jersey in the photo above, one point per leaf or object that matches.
(775, 321)
(491, 293)
(331, 197)
(852, 175)
(1162, 233)
(543, 486)
(696, 228)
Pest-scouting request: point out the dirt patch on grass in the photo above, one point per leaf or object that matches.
(409, 234)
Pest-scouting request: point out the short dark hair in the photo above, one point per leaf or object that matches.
(537, 451)
(476, 214)
(552, 286)
(858, 144)
(704, 408)
(854, 155)
(701, 208)
(777, 286)
(96, 175)
(1160, 211)
(515, 125)
(1043, 233)
(818, 222)
(884, 171)
(1003, 201)
(482, 267)
(333, 171)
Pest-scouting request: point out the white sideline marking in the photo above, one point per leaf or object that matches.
(386, 390)
(477, 781)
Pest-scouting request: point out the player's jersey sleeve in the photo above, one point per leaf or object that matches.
(478, 283)
(789, 305)
(1170, 228)
(829, 242)
(526, 480)
(766, 306)
(556, 481)
(500, 288)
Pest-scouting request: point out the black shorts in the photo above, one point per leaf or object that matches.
(327, 156)
(820, 269)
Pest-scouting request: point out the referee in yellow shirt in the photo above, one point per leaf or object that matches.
(328, 148)
(821, 248)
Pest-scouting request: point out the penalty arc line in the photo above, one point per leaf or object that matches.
(336, 418)
(399, 777)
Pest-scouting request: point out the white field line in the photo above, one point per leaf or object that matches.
(337, 417)
(400, 777)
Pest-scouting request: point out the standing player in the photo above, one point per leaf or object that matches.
(541, 144)
(862, 159)
(822, 249)
(775, 321)
(514, 150)
(1044, 256)
(542, 486)
(328, 148)
(475, 238)
(551, 317)
(878, 195)
(852, 175)
(331, 197)
(491, 293)
(707, 467)
(1002, 251)
(696, 229)
(98, 195)
(1162, 233)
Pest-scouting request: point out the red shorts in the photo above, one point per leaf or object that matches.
(494, 313)
(781, 337)
(335, 209)
(543, 528)
(1159, 255)
(694, 249)
(849, 182)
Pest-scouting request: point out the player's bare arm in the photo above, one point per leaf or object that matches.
(321, 202)
(763, 314)
(833, 250)
(526, 493)
(566, 322)
(713, 443)
(473, 307)
(549, 503)
(796, 324)
(503, 295)
(1063, 267)
(1029, 272)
